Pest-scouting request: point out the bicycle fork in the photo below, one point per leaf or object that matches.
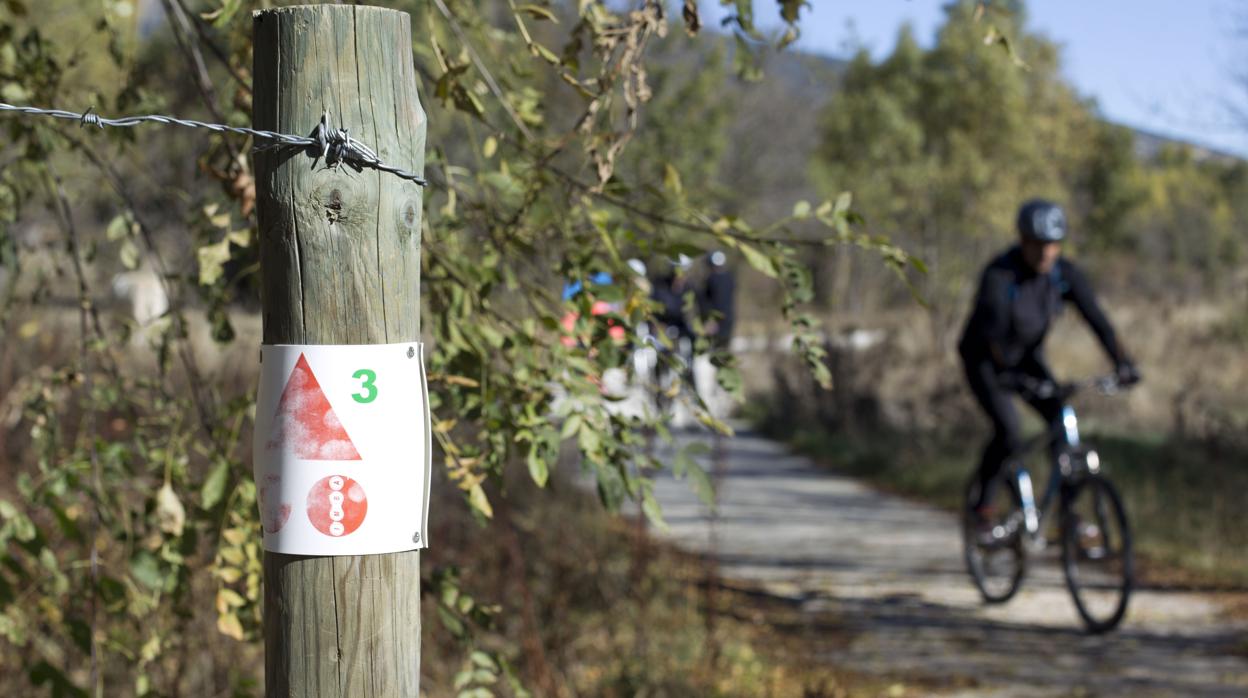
(1027, 497)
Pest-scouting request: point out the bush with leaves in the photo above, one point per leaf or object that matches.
(128, 524)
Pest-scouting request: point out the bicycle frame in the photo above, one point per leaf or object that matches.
(1065, 445)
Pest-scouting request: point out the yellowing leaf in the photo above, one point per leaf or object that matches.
(228, 598)
(170, 514)
(233, 556)
(478, 500)
(212, 259)
(230, 626)
(150, 650)
(671, 180)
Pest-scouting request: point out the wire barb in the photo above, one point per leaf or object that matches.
(335, 146)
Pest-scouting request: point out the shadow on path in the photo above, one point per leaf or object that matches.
(879, 587)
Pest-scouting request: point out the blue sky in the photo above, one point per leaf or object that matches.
(1161, 65)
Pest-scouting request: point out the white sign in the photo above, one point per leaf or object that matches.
(341, 448)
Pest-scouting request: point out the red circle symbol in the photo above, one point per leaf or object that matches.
(337, 505)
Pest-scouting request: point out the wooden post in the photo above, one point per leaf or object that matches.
(340, 260)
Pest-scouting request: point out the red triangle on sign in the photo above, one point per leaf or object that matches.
(305, 422)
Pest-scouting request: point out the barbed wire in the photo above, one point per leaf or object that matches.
(335, 145)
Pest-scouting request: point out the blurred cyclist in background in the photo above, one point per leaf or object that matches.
(717, 300)
(1020, 294)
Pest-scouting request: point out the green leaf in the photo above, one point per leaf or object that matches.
(650, 506)
(484, 661)
(570, 425)
(129, 255)
(843, 202)
(729, 378)
(452, 624)
(544, 53)
(146, 570)
(13, 92)
(801, 209)
(118, 228)
(701, 483)
(538, 469)
(214, 485)
(757, 259)
(538, 12)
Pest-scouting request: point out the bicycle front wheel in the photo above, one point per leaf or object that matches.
(1097, 553)
(993, 550)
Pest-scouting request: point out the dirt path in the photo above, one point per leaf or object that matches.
(882, 586)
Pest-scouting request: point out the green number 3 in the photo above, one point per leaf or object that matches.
(370, 388)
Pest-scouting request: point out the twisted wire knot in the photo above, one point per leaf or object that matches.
(89, 118)
(337, 147)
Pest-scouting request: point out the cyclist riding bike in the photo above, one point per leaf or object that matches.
(1021, 292)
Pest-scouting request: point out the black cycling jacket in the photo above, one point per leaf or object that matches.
(1015, 307)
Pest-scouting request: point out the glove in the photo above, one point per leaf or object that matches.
(1127, 373)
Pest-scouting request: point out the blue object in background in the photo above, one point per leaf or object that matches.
(573, 288)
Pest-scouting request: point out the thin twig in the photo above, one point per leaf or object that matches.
(485, 72)
(198, 24)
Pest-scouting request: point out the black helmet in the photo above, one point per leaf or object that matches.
(1042, 220)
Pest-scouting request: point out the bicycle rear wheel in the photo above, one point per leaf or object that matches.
(1097, 553)
(994, 555)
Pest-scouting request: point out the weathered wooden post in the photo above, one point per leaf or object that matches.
(340, 259)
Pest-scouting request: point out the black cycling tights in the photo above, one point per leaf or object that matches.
(995, 399)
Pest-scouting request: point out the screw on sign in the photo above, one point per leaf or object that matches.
(337, 505)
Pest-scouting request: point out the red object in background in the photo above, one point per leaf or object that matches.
(306, 423)
(614, 331)
(337, 505)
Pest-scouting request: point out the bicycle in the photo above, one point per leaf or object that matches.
(1095, 536)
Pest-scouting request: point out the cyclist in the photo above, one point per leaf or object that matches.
(1020, 293)
(717, 301)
